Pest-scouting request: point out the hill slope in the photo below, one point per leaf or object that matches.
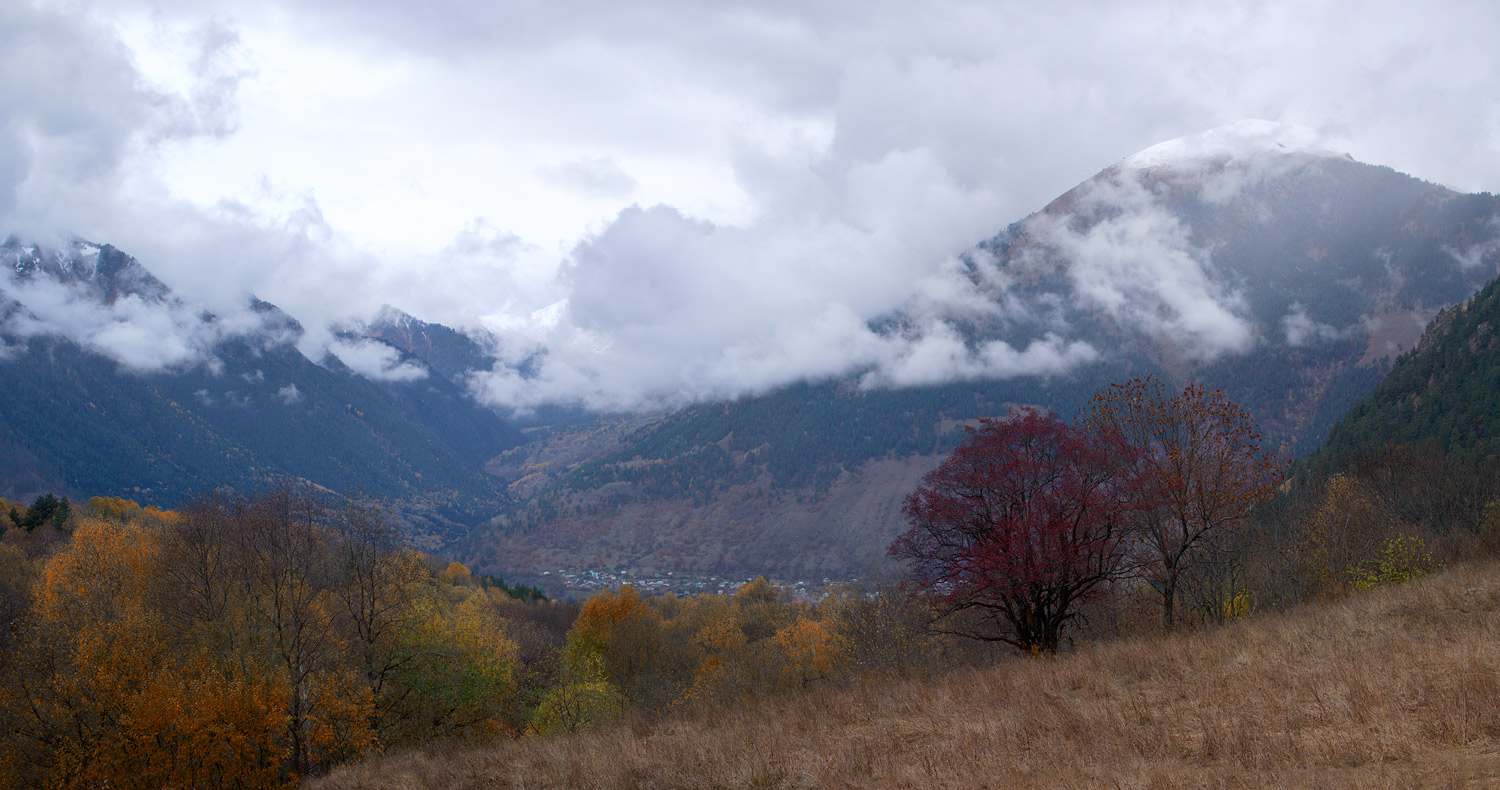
(1395, 688)
(1446, 390)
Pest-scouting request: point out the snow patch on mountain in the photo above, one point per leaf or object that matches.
(107, 302)
(1237, 143)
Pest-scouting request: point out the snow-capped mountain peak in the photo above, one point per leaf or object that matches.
(393, 316)
(1236, 142)
(99, 269)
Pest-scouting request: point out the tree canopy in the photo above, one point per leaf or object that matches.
(1198, 457)
(1019, 525)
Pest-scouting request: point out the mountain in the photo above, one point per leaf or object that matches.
(1246, 258)
(439, 399)
(1288, 277)
(111, 384)
(1444, 392)
(103, 272)
(446, 352)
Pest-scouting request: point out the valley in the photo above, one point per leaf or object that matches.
(749, 395)
(1290, 279)
(448, 591)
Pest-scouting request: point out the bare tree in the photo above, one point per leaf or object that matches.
(1200, 469)
(378, 592)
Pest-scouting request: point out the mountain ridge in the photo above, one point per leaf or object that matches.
(239, 406)
(1289, 280)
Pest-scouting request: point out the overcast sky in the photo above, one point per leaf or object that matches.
(675, 198)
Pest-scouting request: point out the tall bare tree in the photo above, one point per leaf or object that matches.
(1201, 469)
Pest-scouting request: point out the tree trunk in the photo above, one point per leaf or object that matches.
(1168, 598)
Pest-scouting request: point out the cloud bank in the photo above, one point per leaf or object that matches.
(375, 361)
(141, 333)
(663, 201)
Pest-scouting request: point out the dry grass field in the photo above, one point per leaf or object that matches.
(1399, 687)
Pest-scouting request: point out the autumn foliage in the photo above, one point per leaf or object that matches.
(1021, 523)
(240, 643)
(1203, 469)
(251, 642)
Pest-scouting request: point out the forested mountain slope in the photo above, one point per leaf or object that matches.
(1445, 391)
(1289, 278)
(110, 383)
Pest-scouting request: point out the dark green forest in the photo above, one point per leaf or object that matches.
(1444, 393)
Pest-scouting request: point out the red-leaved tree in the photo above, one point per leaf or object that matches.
(1022, 522)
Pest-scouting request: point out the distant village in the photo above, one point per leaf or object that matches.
(574, 583)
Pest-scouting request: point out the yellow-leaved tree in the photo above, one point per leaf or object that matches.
(810, 651)
(117, 696)
(457, 673)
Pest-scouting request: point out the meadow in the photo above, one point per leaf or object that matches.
(1396, 687)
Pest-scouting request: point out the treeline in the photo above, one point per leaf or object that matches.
(1033, 526)
(252, 642)
(1388, 512)
(247, 643)
(629, 654)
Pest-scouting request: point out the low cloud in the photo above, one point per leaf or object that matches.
(660, 307)
(1127, 255)
(1300, 329)
(376, 361)
(142, 334)
(939, 355)
(1485, 254)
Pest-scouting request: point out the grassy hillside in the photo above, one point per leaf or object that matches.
(1399, 687)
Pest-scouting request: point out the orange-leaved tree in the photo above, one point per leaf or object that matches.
(1199, 468)
(625, 632)
(276, 570)
(114, 691)
(810, 651)
(611, 654)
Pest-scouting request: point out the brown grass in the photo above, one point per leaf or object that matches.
(1399, 687)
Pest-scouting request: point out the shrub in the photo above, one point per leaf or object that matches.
(1400, 559)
